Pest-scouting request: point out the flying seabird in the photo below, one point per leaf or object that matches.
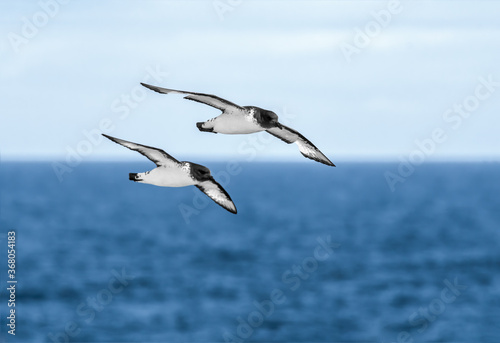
(237, 119)
(172, 173)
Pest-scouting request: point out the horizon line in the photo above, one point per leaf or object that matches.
(340, 159)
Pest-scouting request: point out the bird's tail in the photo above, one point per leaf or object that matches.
(134, 177)
(201, 127)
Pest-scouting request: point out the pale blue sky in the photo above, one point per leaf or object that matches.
(279, 55)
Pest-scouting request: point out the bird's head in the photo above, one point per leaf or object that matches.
(269, 119)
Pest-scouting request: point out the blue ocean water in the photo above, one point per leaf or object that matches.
(314, 254)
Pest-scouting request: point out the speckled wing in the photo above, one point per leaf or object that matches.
(218, 194)
(158, 156)
(207, 99)
(306, 148)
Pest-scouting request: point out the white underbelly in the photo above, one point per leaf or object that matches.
(232, 124)
(168, 177)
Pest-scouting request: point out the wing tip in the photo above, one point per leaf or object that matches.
(324, 160)
(111, 138)
(227, 204)
(233, 210)
(230, 207)
(330, 163)
(326, 163)
(153, 88)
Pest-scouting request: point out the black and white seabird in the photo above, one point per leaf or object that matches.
(237, 119)
(172, 173)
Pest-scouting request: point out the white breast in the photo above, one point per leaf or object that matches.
(168, 177)
(236, 123)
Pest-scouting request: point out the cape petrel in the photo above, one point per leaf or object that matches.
(237, 119)
(172, 173)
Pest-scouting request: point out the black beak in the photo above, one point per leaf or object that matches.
(278, 125)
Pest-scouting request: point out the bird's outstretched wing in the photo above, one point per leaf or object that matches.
(207, 99)
(306, 148)
(158, 156)
(218, 194)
